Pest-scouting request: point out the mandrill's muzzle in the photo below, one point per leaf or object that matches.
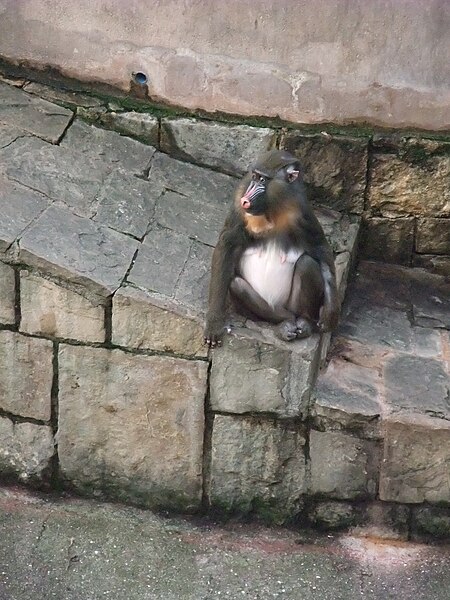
(254, 189)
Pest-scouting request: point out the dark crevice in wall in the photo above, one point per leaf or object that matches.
(207, 445)
(108, 321)
(55, 470)
(63, 135)
(20, 419)
(368, 174)
(17, 309)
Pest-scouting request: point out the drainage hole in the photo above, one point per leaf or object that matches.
(139, 77)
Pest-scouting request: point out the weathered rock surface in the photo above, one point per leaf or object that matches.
(87, 253)
(416, 461)
(433, 521)
(52, 310)
(334, 169)
(400, 182)
(213, 189)
(26, 450)
(34, 115)
(229, 148)
(27, 375)
(19, 207)
(126, 203)
(436, 264)
(343, 466)
(7, 295)
(335, 515)
(131, 425)
(138, 322)
(388, 240)
(257, 466)
(250, 376)
(61, 96)
(109, 147)
(142, 126)
(433, 236)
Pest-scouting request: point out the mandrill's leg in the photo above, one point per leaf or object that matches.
(245, 295)
(306, 294)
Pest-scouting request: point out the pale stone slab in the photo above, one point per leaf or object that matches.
(258, 466)
(197, 220)
(26, 450)
(65, 174)
(142, 126)
(19, 206)
(61, 96)
(138, 323)
(77, 249)
(416, 461)
(37, 116)
(132, 425)
(193, 284)
(108, 146)
(160, 261)
(126, 203)
(250, 376)
(342, 466)
(27, 374)
(10, 133)
(49, 309)
(208, 187)
(229, 148)
(7, 295)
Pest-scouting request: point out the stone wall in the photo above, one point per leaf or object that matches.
(385, 63)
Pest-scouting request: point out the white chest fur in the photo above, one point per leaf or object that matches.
(268, 269)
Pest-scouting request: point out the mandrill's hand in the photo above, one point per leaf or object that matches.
(214, 331)
(329, 317)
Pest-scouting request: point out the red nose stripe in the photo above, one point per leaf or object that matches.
(245, 203)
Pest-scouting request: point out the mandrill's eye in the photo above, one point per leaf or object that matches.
(262, 179)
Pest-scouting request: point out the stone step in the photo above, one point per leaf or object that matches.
(105, 249)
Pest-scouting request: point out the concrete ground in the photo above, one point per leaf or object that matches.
(73, 549)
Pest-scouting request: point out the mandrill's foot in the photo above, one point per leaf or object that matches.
(304, 328)
(287, 330)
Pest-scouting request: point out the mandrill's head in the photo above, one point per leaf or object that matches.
(266, 197)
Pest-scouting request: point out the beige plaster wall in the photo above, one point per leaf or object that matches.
(380, 61)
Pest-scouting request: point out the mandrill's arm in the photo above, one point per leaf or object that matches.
(224, 263)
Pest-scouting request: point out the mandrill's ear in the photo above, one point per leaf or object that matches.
(292, 172)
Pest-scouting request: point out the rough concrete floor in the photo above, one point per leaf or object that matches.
(72, 549)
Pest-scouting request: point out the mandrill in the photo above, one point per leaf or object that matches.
(272, 256)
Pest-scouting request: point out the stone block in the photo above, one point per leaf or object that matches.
(341, 230)
(108, 146)
(7, 295)
(249, 376)
(400, 181)
(139, 322)
(142, 126)
(431, 521)
(27, 375)
(417, 385)
(229, 148)
(433, 236)
(257, 466)
(19, 206)
(192, 286)
(388, 240)
(131, 426)
(342, 466)
(160, 261)
(66, 98)
(26, 450)
(333, 168)
(335, 515)
(52, 310)
(9, 134)
(64, 174)
(430, 296)
(186, 215)
(126, 203)
(347, 397)
(416, 461)
(39, 117)
(435, 264)
(203, 185)
(77, 249)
